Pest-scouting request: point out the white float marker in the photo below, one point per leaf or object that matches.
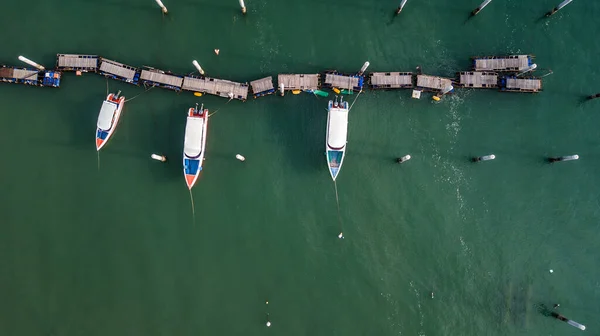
(557, 8)
(403, 159)
(240, 157)
(243, 7)
(164, 9)
(400, 7)
(217, 51)
(484, 158)
(195, 63)
(478, 9)
(564, 158)
(160, 158)
(30, 62)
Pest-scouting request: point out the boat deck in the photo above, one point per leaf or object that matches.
(507, 63)
(262, 87)
(433, 83)
(343, 81)
(391, 80)
(299, 81)
(118, 71)
(514, 84)
(72, 62)
(218, 87)
(155, 77)
(478, 79)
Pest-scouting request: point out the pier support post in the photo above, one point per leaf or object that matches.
(597, 95)
(399, 9)
(478, 9)
(570, 322)
(243, 7)
(557, 8)
(484, 158)
(563, 158)
(162, 7)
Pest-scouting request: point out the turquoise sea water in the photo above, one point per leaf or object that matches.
(116, 251)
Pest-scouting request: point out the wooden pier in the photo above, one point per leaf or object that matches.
(433, 83)
(262, 87)
(155, 77)
(299, 81)
(514, 84)
(72, 62)
(33, 77)
(391, 80)
(118, 71)
(218, 87)
(478, 79)
(506, 63)
(334, 79)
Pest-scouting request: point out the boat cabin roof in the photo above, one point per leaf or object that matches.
(338, 128)
(192, 146)
(107, 112)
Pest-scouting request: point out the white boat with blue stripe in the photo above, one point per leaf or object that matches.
(337, 133)
(194, 144)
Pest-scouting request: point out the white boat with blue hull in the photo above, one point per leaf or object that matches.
(337, 133)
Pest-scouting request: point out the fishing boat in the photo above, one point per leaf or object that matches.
(194, 144)
(337, 132)
(109, 115)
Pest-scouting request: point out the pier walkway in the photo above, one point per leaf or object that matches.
(299, 81)
(72, 62)
(262, 87)
(433, 83)
(391, 80)
(118, 71)
(506, 63)
(155, 77)
(218, 87)
(478, 79)
(334, 79)
(514, 84)
(33, 77)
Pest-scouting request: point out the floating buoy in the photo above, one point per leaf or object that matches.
(268, 323)
(30, 62)
(240, 157)
(198, 94)
(436, 98)
(484, 158)
(160, 158)
(341, 235)
(296, 91)
(336, 90)
(403, 159)
(217, 51)
(198, 67)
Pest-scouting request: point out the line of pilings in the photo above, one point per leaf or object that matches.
(490, 157)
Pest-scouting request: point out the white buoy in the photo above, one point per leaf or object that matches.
(559, 7)
(241, 158)
(195, 63)
(268, 323)
(341, 235)
(157, 157)
(447, 89)
(217, 51)
(478, 9)
(403, 159)
(432, 295)
(528, 69)
(484, 158)
(551, 271)
(564, 158)
(400, 7)
(30, 62)
(364, 67)
(243, 6)
(164, 9)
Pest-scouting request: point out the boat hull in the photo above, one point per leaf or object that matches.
(102, 135)
(335, 142)
(192, 162)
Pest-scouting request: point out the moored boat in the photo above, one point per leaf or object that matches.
(108, 118)
(337, 132)
(194, 144)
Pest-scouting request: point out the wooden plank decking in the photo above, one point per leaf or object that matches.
(218, 87)
(299, 81)
(391, 80)
(523, 84)
(117, 69)
(341, 81)
(433, 82)
(158, 76)
(508, 63)
(262, 86)
(25, 74)
(72, 62)
(478, 79)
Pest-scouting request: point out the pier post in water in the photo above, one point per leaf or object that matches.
(243, 7)
(563, 158)
(484, 158)
(30, 62)
(557, 8)
(597, 95)
(570, 322)
(162, 7)
(400, 7)
(403, 159)
(198, 67)
(478, 9)
(364, 68)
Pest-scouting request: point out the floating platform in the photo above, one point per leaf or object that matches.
(433, 83)
(299, 81)
(218, 87)
(73, 62)
(333, 79)
(514, 84)
(477, 79)
(502, 63)
(391, 80)
(262, 87)
(118, 71)
(155, 77)
(33, 77)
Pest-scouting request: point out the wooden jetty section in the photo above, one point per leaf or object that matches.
(218, 87)
(73, 62)
(299, 81)
(118, 71)
(391, 80)
(433, 83)
(33, 77)
(333, 79)
(514, 84)
(502, 63)
(262, 87)
(155, 77)
(478, 79)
